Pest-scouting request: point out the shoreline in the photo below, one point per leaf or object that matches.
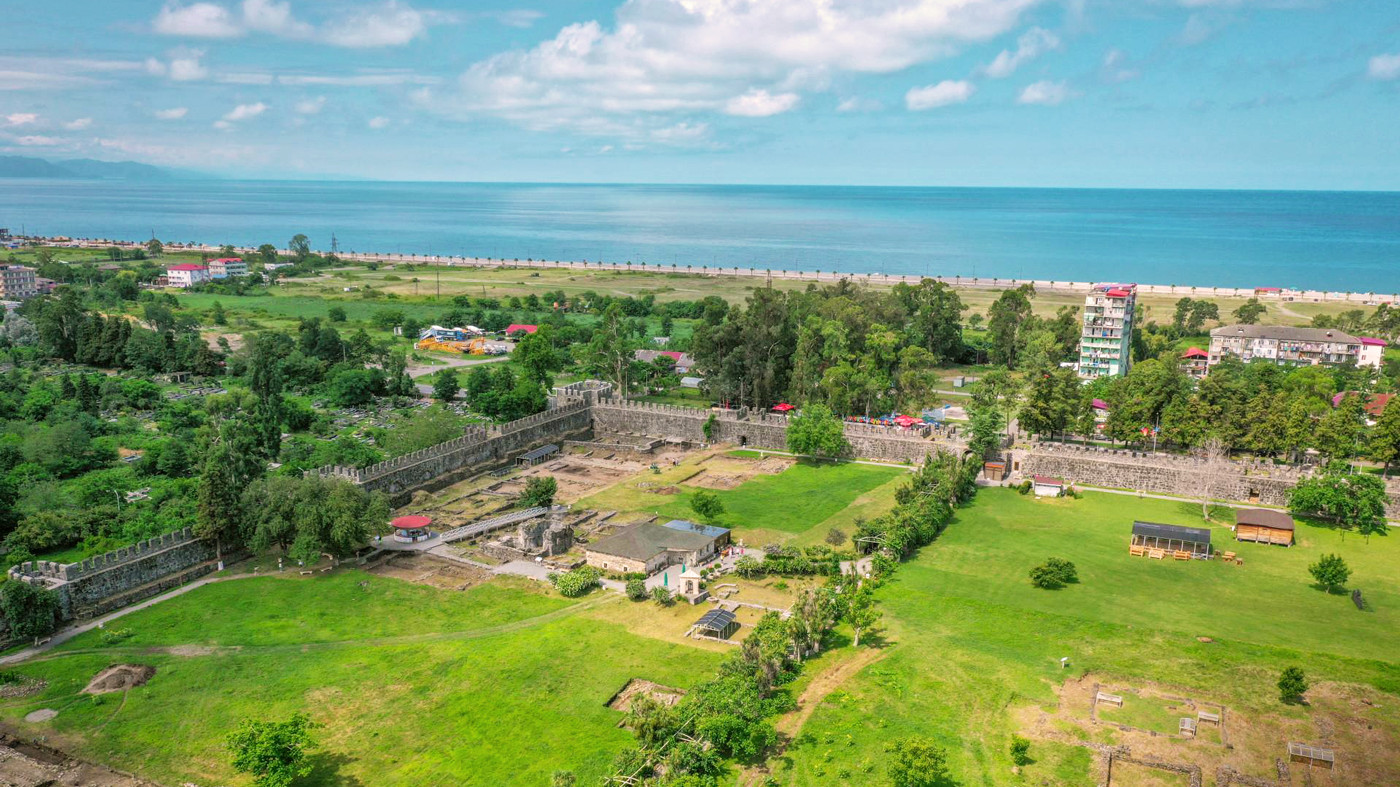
(1263, 293)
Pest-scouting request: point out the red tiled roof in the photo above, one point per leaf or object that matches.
(513, 327)
(1099, 404)
(412, 522)
(673, 354)
(228, 259)
(188, 266)
(1049, 480)
(1373, 408)
(1373, 341)
(1195, 352)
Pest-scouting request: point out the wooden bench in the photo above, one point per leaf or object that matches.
(1109, 699)
(1181, 554)
(1229, 557)
(1137, 551)
(1188, 727)
(1157, 554)
(1208, 717)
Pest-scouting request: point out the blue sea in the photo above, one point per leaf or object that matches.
(1322, 240)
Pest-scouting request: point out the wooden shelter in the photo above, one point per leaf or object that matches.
(1047, 486)
(541, 454)
(1311, 756)
(1173, 540)
(1264, 526)
(994, 471)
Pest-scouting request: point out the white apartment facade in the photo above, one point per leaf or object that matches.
(187, 274)
(17, 283)
(225, 267)
(1106, 337)
(1289, 346)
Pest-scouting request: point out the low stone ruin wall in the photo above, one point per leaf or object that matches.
(106, 582)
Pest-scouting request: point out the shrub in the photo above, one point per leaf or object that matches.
(1330, 571)
(1053, 574)
(1292, 684)
(32, 611)
(637, 589)
(577, 582)
(1020, 750)
(113, 636)
(663, 597)
(749, 567)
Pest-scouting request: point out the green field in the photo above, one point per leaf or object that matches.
(969, 639)
(794, 504)
(416, 686)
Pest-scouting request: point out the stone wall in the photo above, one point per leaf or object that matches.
(115, 579)
(1165, 474)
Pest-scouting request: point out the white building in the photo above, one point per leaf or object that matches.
(1106, 338)
(1288, 346)
(225, 267)
(17, 282)
(1372, 352)
(187, 274)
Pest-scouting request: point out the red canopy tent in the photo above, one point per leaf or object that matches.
(906, 420)
(782, 407)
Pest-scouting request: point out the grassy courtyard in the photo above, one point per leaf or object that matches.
(501, 684)
(972, 649)
(798, 505)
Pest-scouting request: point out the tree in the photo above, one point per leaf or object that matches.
(1331, 572)
(1250, 311)
(707, 505)
(1355, 501)
(336, 314)
(1341, 431)
(231, 463)
(1292, 684)
(1385, 438)
(1004, 320)
(986, 425)
(445, 385)
(637, 589)
(862, 614)
(817, 432)
(31, 611)
(273, 752)
(536, 355)
(539, 492)
(268, 253)
(918, 762)
(154, 247)
(1214, 470)
(610, 352)
(299, 246)
(835, 537)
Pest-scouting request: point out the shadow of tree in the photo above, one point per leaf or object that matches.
(327, 769)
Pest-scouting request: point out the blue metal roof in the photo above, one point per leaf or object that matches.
(687, 525)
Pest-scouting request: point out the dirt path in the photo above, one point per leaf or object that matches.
(790, 724)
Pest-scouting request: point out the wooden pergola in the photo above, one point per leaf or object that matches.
(1172, 538)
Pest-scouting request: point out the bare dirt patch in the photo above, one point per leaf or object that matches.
(30, 765)
(23, 688)
(636, 687)
(42, 714)
(423, 569)
(120, 678)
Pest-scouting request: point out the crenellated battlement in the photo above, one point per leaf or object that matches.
(69, 572)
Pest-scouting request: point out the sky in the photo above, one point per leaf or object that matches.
(1287, 94)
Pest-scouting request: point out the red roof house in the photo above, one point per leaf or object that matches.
(1195, 352)
(188, 266)
(514, 327)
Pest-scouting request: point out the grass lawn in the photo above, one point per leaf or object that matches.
(764, 508)
(501, 684)
(969, 642)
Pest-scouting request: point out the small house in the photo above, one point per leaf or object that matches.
(1047, 486)
(1263, 526)
(994, 471)
(648, 548)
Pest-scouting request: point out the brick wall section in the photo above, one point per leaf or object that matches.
(1166, 474)
(124, 576)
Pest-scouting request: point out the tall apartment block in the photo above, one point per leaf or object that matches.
(1108, 331)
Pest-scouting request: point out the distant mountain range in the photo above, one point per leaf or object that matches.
(82, 168)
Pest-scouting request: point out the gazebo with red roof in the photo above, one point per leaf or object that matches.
(412, 528)
(782, 407)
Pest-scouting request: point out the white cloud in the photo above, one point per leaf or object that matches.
(184, 65)
(1044, 93)
(310, 106)
(760, 104)
(947, 92)
(520, 17)
(1032, 44)
(245, 78)
(37, 141)
(379, 122)
(681, 133)
(21, 119)
(1116, 67)
(174, 113)
(662, 58)
(859, 104)
(392, 25)
(245, 111)
(80, 123)
(18, 79)
(198, 20)
(1384, 67)
(367, 78)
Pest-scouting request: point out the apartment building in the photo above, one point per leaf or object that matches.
(1289, 346)
(187, 274)
(1107, 331)
(225, 267)
(17, 283)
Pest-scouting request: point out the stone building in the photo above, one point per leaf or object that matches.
(648, 548)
